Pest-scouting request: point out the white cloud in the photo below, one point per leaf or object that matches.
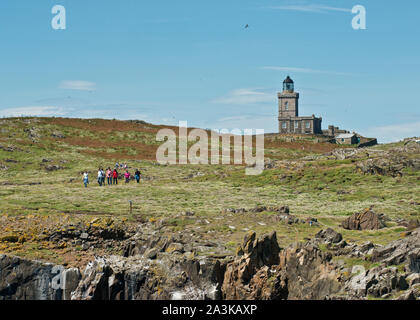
(316, 8)
(305, 70)
(246, 96)
(41, 111)
(395, 132)
(78, 85)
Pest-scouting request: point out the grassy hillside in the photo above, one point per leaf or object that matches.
(41, 189)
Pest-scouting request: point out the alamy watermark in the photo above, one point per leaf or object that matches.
(359, 21)
(216, 149)
(58, 22)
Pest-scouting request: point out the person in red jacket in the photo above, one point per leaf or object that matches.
(115, 176)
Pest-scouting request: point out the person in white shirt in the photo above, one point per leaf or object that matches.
(100, 177)
(85, 178)
(103, 177)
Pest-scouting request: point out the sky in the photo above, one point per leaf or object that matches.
(166, 61)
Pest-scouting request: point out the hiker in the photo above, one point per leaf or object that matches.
(109, 176)
(100, 177)
(137, 175)
(115, 176)
(127, 176)
(117, 165)
(103, 177)
(86, 178)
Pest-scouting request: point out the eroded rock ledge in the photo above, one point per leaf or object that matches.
(326, 267)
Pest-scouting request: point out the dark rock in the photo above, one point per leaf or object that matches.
(151, 253)
(58, 135)
(34, 183)
(22, 279)
(402, 283)
(329, 236)
(53, 168)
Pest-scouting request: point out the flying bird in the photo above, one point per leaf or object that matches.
(247, 26)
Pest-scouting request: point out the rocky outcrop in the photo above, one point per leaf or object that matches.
(158, 267)
(33, 133)
(257, 209)
(365, 220)
(22, 279)
(263, 271)
(139, 278)
(244, 277)
(390, 165)
(404, 251)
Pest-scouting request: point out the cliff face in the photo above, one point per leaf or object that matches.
(313, 270)
(32, 280)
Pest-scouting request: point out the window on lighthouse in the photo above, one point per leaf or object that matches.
(286, 106)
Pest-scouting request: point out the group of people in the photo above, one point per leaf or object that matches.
(111, 176)
(122, 166)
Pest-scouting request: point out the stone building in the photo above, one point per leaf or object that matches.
(347, 138)
(289, 119)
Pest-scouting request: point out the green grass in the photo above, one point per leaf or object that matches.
(329, 190)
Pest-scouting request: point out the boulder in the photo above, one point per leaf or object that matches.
(365, 220)
(329, 236)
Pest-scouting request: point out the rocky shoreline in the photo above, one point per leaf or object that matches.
(159, 267)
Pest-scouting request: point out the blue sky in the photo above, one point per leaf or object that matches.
(194, 60)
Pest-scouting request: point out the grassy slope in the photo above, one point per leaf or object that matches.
(309, 188)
